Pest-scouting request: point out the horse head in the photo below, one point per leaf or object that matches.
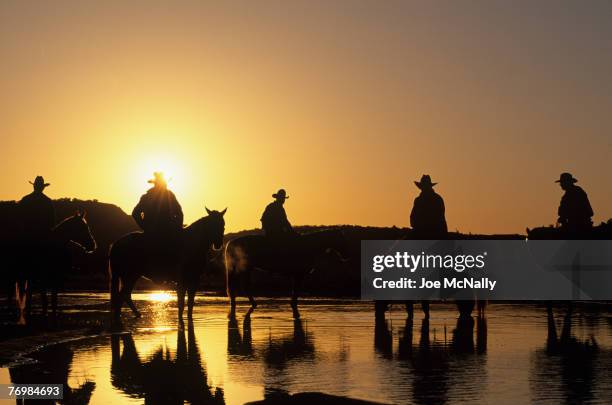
(216, 227)
(336, 244)
(76, 229)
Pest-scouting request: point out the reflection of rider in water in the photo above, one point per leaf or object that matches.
(274, 220)
(158, 212)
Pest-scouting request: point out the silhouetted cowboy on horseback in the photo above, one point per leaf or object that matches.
(37, 213)
(274, 220)
(575, 210)
(158, 212)
(427, 218)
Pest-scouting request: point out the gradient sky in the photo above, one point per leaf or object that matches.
(343, 103)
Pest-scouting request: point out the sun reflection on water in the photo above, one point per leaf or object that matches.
(160, 296)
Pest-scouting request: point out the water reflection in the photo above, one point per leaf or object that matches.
(161, 379)
(52, 366)
(435, 365)
(239, 344)
(571, 361)
(516, 354)
(277, 355)
(297, 347)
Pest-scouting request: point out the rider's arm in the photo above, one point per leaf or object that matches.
(561, 210)
(286, 222)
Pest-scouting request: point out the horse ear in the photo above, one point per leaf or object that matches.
(224, 211)
(77, 213)
(208, 211)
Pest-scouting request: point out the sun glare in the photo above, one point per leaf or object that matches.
(171, 168)
(159, 296)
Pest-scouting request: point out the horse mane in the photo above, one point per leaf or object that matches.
(199, 223)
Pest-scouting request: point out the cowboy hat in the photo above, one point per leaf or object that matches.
(158, 177)
(39, 181)
(280, 194)
(425, 182)
(566, 178)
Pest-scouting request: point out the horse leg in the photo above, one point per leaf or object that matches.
(380, 307)
(425, 308)
(230, 283)
(28, 297)
(115, 295)
(54, 302)
(297, 283)
(482, 306)
(180, 295)
(465, 308)
(191, 291)
(21, 297)
(247, 288)
(126, 293)
(410, 309)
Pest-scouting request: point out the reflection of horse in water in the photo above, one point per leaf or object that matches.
(297, 346)
(293, 257)
(44, 265)
(434, 363)
(573, 360)
(465, 308)
(161, 379)
(52, 366)
(278, 352)
(237, 344)
(132, 257)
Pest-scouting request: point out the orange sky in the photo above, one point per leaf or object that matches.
(343, 103)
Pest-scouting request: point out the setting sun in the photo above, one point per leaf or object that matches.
(170, 166)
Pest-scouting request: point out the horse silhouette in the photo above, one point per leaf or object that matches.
(43, 266)
(161, 379)
(602, 231)
(131, 257)
(293, 257)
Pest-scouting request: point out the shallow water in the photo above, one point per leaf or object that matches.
(337, 348)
